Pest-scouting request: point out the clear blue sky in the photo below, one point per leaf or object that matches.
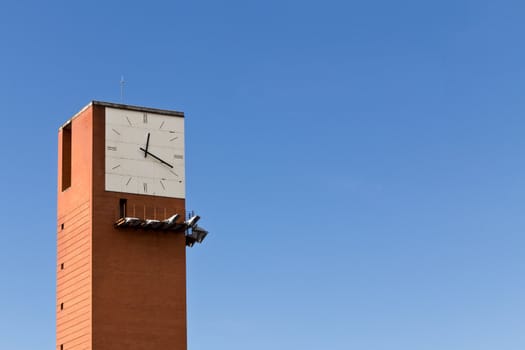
(360, 164)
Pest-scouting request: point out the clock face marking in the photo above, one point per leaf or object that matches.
(144, 153)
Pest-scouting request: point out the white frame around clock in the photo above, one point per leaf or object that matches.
(126, 168)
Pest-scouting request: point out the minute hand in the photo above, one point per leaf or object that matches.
(157, 158)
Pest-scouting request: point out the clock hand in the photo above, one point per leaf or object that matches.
(157, 158)
(147, 145)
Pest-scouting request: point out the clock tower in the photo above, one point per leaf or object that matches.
(122, 230)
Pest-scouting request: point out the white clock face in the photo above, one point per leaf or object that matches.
(144, 153)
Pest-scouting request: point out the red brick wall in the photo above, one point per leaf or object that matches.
(74, 209)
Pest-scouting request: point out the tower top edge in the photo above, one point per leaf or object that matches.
(126, 107)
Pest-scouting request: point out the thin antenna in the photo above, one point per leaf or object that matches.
(122, 82)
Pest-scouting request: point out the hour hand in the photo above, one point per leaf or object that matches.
(146, 152)
(147, 145)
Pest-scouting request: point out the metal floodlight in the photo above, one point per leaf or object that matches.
(128, 221)
(171, 219)
(199, 233)
(170, 222)
(152, 224)
(192, 221)
(133, 222)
